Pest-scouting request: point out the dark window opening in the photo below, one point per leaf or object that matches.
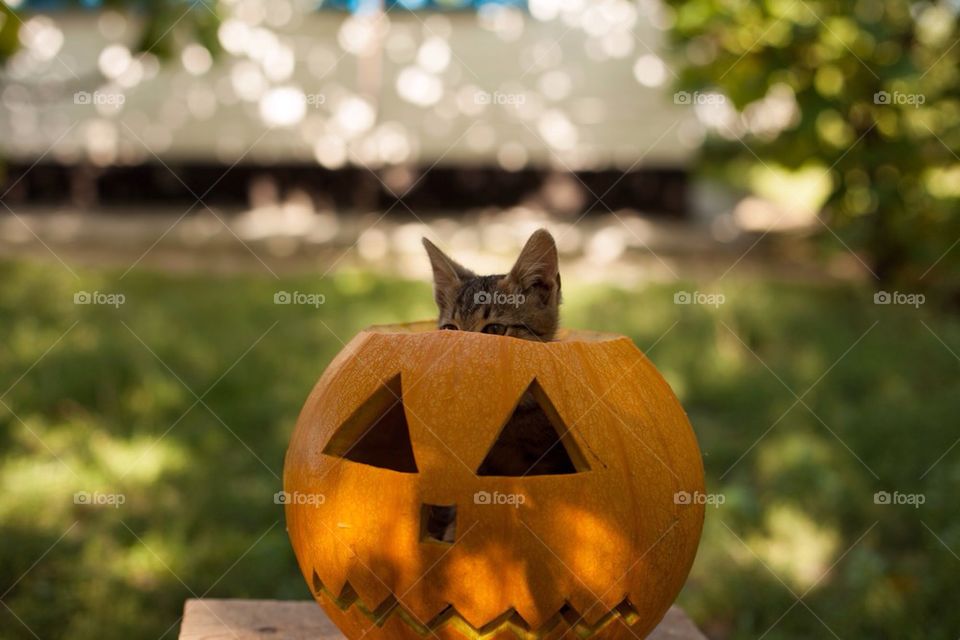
(438, 523)
(377, 433)
(533, 442)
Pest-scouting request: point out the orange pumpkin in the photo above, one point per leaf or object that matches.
(400, 534)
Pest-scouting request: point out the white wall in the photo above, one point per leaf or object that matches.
(403, 88)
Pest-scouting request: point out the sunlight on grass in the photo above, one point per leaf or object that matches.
(786, 454)
(36, 490)
(139, 460)
(803, 189)
(104, 413)
(156, 395)
(796, 547)
(355, 283)
(143, 566)
(82, 457)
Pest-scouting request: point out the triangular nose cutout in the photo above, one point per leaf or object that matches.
(377, 433)
(533, 442)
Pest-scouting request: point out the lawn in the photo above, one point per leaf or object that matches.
(182, 399)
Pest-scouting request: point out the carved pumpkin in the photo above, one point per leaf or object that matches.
(400, 534)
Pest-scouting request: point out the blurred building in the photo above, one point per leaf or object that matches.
(493, 98)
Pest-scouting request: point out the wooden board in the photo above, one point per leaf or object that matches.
(304, 620)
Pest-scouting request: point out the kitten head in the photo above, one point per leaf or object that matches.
(523, 303)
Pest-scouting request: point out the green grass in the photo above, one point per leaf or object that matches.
(111, 408)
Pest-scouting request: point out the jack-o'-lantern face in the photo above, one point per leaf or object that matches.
(457, 484)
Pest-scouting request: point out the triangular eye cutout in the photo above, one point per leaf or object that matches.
(377, 433)
(533, 442)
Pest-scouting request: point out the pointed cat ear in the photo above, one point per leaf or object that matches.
(448, 275)
(537, 264)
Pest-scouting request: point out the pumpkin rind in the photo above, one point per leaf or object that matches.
(607, 548)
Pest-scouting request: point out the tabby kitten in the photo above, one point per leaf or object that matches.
(523, 304)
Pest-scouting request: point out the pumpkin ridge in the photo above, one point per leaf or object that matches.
(509, 621)
(609, 400)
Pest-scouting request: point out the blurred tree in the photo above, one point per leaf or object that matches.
(870, 90)
(167, 26)
(9, 26)
(164, 22)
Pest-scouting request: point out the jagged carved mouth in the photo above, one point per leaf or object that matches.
(508, 621)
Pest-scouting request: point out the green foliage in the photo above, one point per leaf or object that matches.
(167, 25)
(877, 84)
(198, 20)
(9, 31)
(100, 412)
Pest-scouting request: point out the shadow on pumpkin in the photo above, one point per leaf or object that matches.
(798, 478)
(892, 400)
(477, 583)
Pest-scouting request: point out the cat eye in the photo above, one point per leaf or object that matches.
(495, 329)
(449, 327)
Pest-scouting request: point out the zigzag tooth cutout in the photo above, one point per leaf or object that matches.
(510, 620)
